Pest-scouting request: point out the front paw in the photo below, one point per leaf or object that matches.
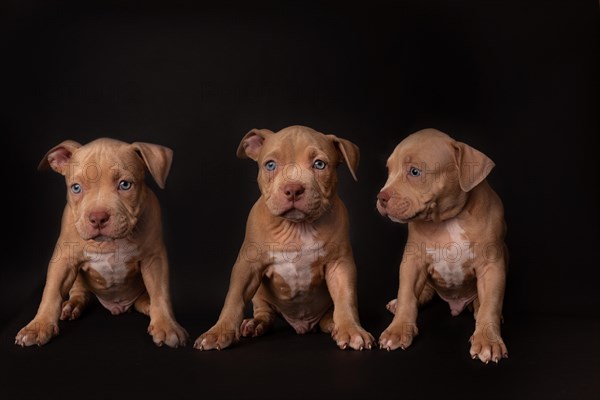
(37, 332)
(487, 344)
(218, 337)
(398, 335)
(167, 331)
(352, 335)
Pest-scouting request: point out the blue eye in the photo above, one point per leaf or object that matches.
(319, 164)
(76, 188)
(415, 171)
(125, 185)
(270, 165)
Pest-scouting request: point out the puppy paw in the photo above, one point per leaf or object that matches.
(398, 335)
(391, 306)
(253, 327)
(167, 331)
(353, 336)
(37, 332)
(218, 337)
(487, 344)
(71, 309)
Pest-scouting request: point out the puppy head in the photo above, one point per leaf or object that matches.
(429, 177)
(105, 182)
(297, 169)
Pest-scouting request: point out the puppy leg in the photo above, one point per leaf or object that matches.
(486, 343)
(142, 304)
(62, 272)
(426, 295)
(474, 306)
(424, 298)
(79, 297)
(326, 322)
(243, 284)
(163, 327)
(263, 319)
(403, 328)
(341, 282)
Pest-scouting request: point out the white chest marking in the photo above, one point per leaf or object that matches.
(448, 258)
(294, 262)
(112, 266)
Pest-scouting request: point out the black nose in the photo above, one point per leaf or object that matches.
(293, 191)
(98, 219)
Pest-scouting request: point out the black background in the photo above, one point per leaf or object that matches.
(517, 80)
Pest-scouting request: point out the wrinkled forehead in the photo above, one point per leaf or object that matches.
(423, 151)
(298, 144)
(111, 160)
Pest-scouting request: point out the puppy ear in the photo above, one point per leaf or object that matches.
(157, 158)
(58, 156)
(349, 151)
(252, 142)
(473, 166)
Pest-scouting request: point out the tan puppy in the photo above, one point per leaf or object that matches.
(455, 245)
(110, 243)
(296, 258)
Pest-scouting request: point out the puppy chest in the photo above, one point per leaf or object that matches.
(450, 260)
(450, 274)
(295, 273)
(110, 269)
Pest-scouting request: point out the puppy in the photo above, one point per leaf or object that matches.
(110, 244)
(455, 245)
(296, 258)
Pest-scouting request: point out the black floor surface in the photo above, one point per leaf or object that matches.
(102, 356)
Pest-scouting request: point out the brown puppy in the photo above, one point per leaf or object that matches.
(296, 258)
(110, 243)
(455, 245)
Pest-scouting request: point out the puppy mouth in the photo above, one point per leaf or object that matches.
(401, 209)
(400, 221)
(294, 214)
(103, 238)
(385, 212)
(120, 226)
(299, 211)
(404, 220)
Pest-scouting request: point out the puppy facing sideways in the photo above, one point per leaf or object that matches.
(455, 245)
(110, 243)
(296, 258)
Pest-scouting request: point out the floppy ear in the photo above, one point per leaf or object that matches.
(473, 166)
(58, 156)
(349, 151)
(157, 158)
(252, 142)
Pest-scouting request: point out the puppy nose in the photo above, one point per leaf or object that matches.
(98, 219)
(383, 198)
(293, 191)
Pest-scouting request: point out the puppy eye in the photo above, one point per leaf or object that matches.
(319, 164)
(125, 185)
(270, 165)
(76, 188)
(414, 171)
